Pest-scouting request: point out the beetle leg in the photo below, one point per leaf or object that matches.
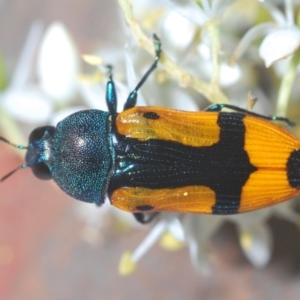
(140, 217)
(219, 107)
(111, 96)
(131, 100)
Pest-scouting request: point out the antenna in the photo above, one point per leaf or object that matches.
(14, 145)
(13, 171)
(20, 167)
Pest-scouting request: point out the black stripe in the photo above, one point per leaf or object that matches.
(224, 167)
(293, 169)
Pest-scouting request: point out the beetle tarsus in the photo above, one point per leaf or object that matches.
(141, 217)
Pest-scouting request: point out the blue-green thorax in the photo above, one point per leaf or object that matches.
(78, 154)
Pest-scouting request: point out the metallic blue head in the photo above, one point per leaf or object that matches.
(77, 154)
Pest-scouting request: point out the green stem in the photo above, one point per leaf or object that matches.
(287, 84)
(213, 31)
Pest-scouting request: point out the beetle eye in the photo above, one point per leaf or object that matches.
(39, 132)
(42, 171)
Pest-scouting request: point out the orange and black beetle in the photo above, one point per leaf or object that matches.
(149, 159)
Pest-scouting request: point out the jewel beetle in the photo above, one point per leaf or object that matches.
(151, 159)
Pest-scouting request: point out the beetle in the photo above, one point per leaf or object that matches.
(151, 159)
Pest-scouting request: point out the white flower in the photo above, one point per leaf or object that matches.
(279, 44)
(282, 36)
(58, 64)
(177, 34)
(57, 68)
(24, 103)
(180, 33)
